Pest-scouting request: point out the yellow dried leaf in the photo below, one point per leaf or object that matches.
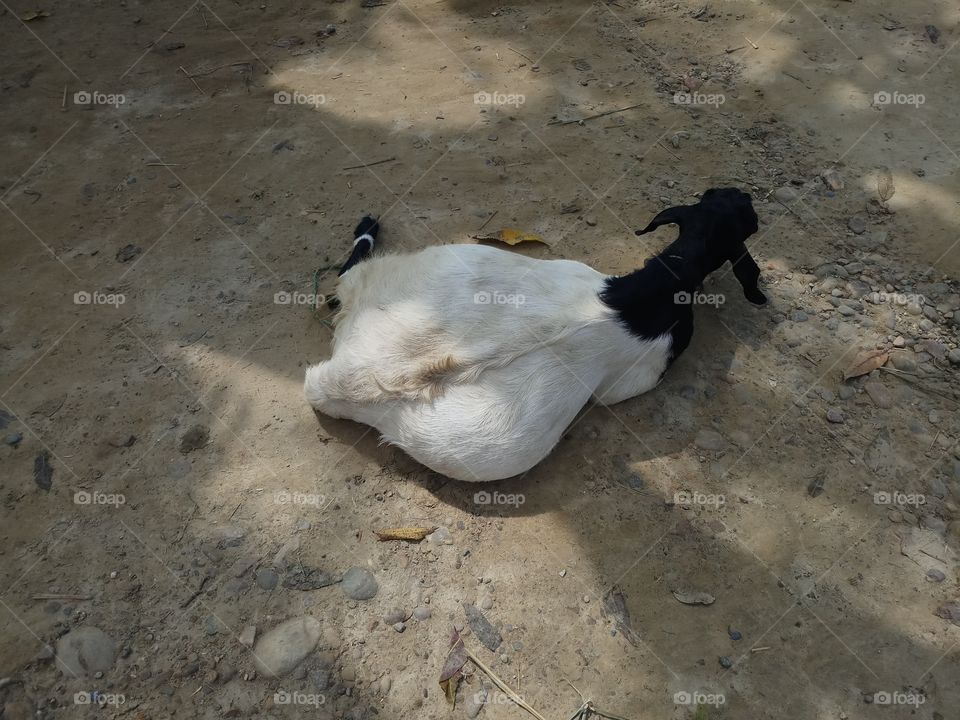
(512, 236)
(450, 689)
(866, 362)
(413, 534)
(34, 15)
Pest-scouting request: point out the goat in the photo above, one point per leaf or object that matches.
(474, 360)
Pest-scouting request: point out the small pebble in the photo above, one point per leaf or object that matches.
(835, 415)
(725, 662)
(934, 575)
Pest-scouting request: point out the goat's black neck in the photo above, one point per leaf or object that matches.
(656, 299)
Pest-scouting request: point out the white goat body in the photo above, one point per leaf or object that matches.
(475, 360)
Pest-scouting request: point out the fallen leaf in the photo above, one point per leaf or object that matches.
(486, 633)
(885, 187)
(866, 362)
(690, 597)
(815, 486)
(450, 675)
(512, 236)
(615, 608)
(42, 472)
(34, 15)
(412, 534)
(950, 611)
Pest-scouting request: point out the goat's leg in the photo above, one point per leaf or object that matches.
(365, 235)
(748, 273)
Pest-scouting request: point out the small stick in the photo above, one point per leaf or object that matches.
(492, 215)
(59, 596)
(63, 103)
(521, 55)
(733, 50)
(788, 208)
(218, 67)
(594, 117)
(797, 79)
(752, 43)
(668, 150)
(933, 556)
(502, 685)
(162, 164)
(760, 649)
(192, 80)
(366, 165)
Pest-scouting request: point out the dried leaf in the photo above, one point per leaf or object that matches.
(412, 534)
(485, 632)
(34, 15)
(450, 688)
(450, 674)
(866, 362)
(615, 608)
(512, 236)
(42, 471)
(885, 186)
(456, 658)
(815, 486)
(691, 597)
(950, 611)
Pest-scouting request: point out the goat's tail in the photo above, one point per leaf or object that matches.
(365, 236)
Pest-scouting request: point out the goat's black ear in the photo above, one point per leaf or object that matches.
(673, 215)
(747, 272)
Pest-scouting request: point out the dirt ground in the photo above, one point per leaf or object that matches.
(175, 175)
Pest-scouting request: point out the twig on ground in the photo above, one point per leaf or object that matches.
(366, 165)
(594, 117)
(802, 82)
(192, 80)
(492, 215)
(501, 684)
(521, 55)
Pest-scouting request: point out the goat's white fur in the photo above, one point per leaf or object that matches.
(477, 391)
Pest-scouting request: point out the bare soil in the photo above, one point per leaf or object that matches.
(188, 474)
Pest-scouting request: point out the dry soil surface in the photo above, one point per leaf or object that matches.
(174, 176)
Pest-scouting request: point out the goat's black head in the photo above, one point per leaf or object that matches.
(714, 231)
(367, 226)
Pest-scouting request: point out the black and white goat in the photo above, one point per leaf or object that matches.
(474, 360)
